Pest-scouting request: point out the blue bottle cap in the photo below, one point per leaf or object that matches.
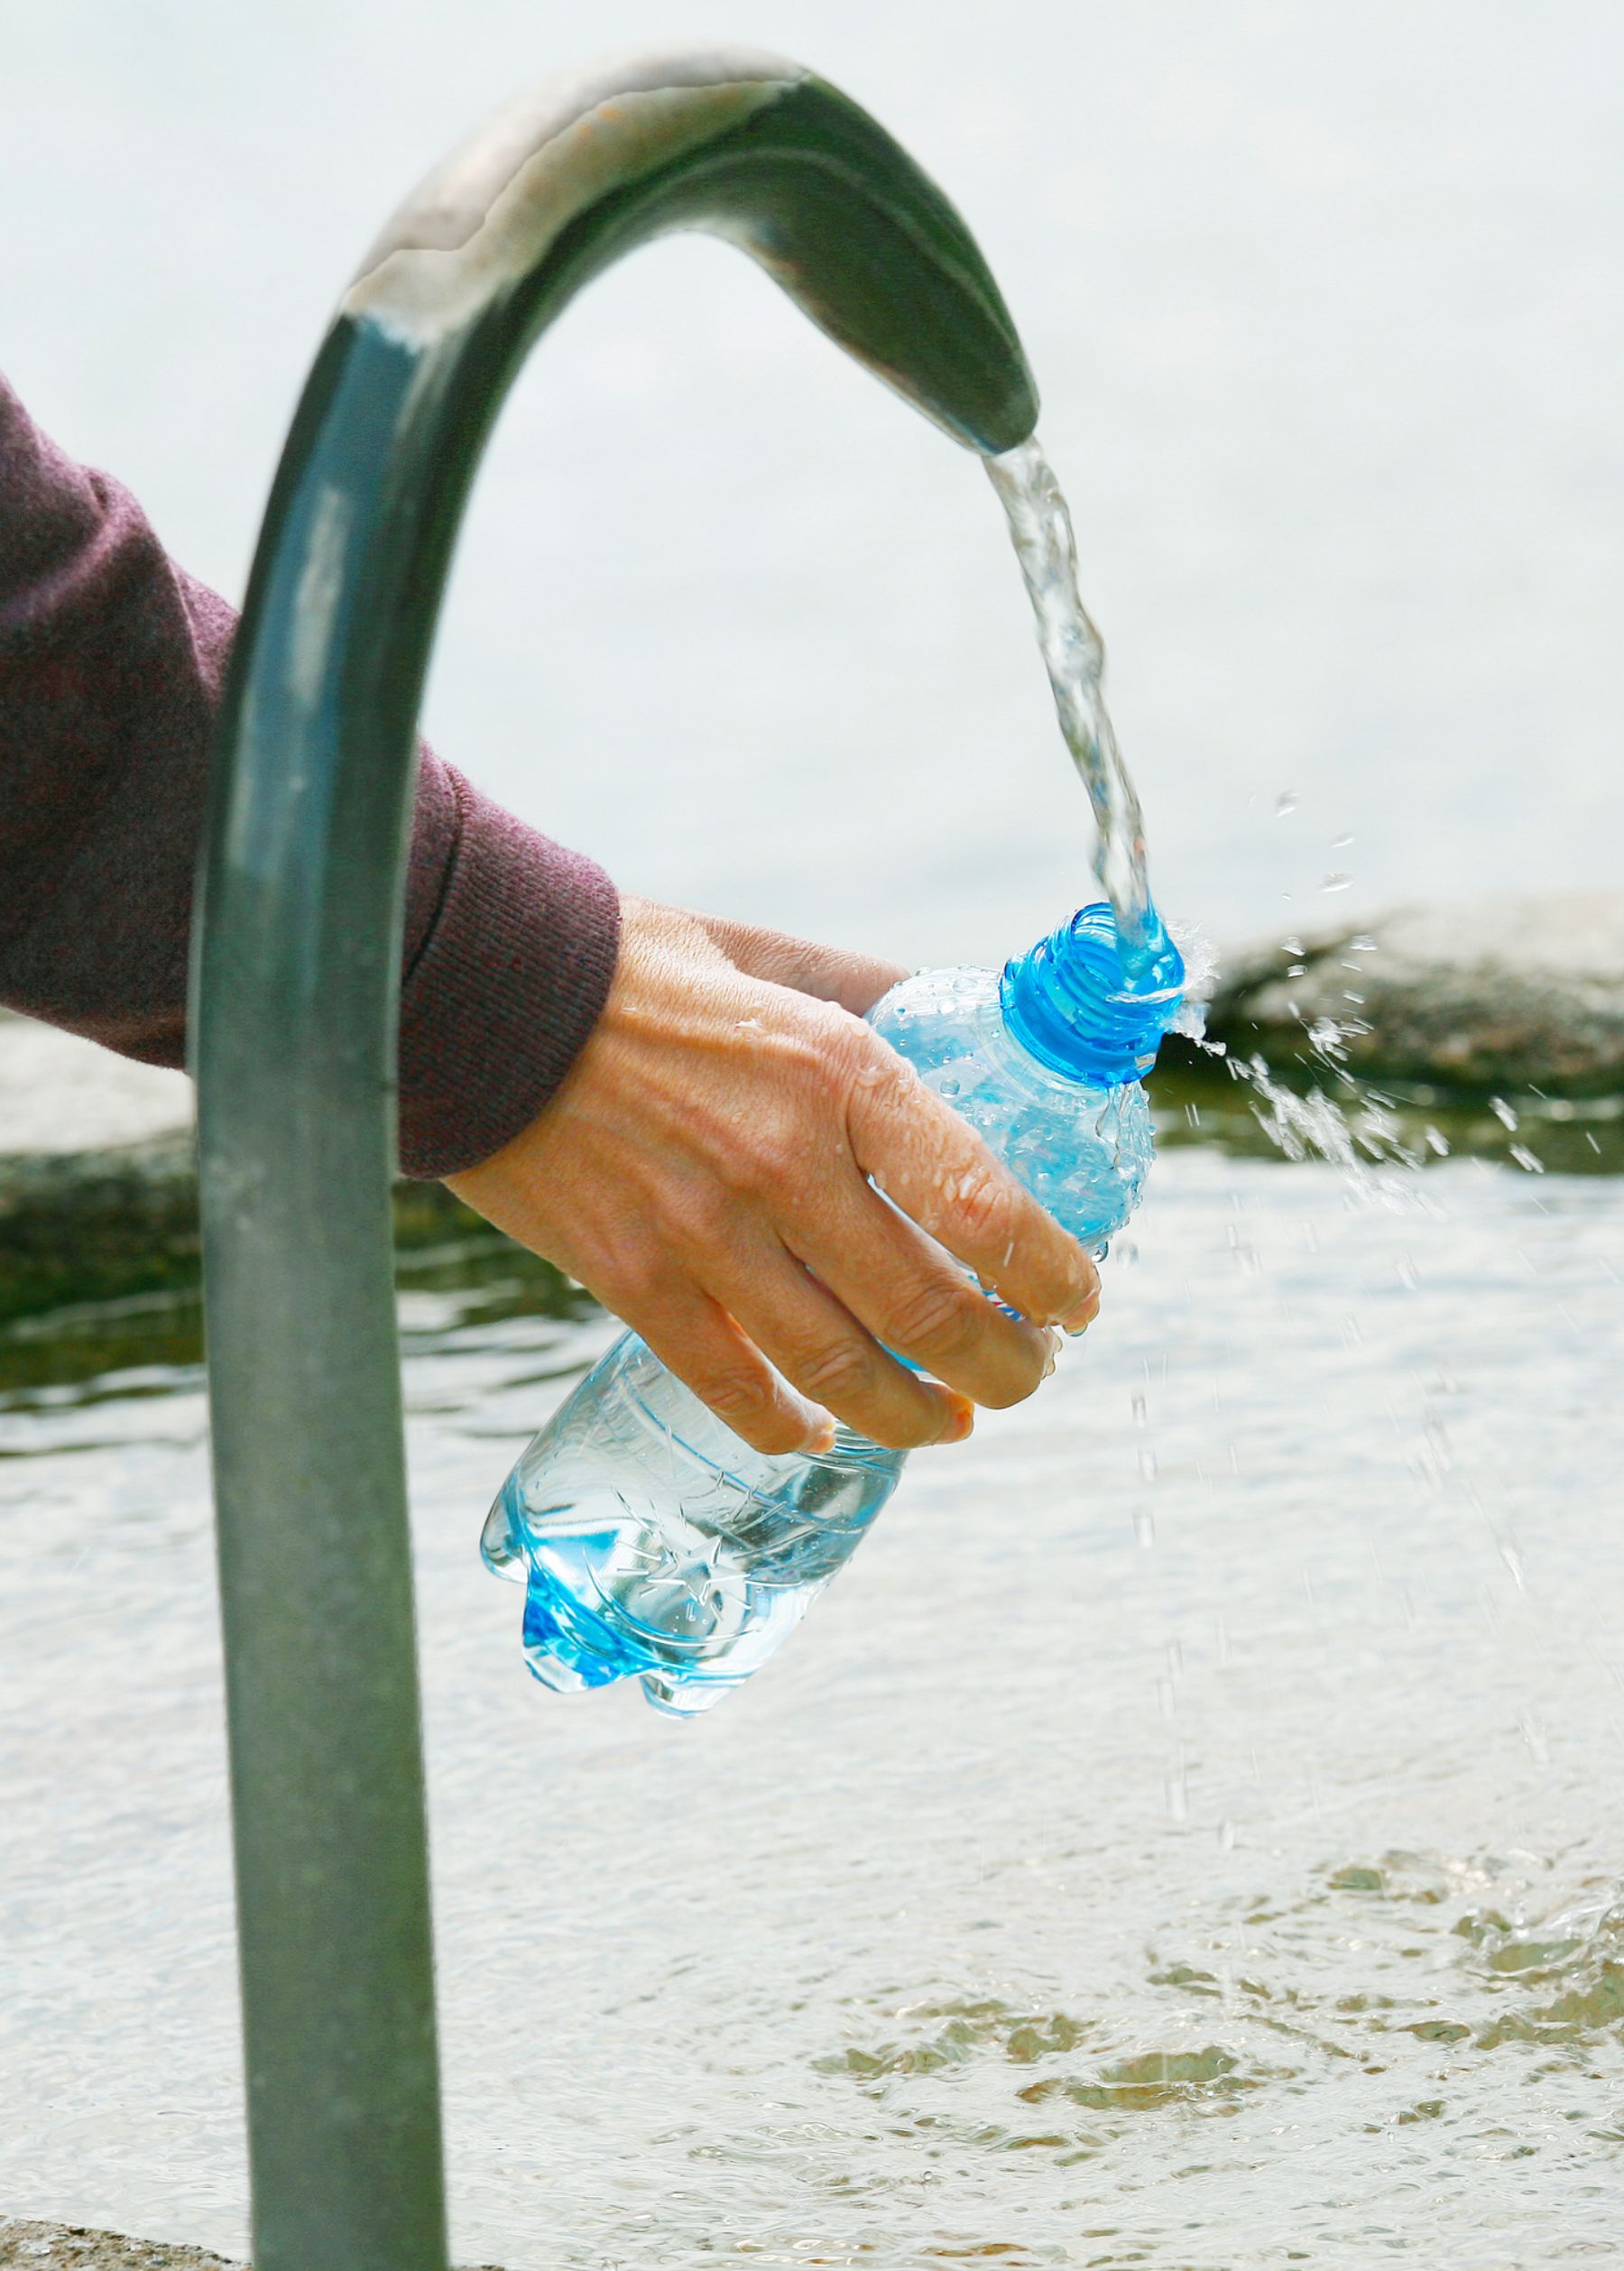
(1072, 1002)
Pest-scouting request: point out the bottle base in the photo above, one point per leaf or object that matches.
(572, 1645)
(654, 1545)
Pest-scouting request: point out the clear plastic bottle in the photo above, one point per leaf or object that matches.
(653, 1543)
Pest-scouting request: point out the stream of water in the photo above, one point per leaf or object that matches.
(1074, 655)
(1348, 1124)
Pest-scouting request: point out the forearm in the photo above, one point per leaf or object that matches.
(111, 664)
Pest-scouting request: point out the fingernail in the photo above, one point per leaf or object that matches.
(1079, 1319)
(960, 1421)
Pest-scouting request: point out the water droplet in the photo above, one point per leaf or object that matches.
(1540, 1750)
(1336, 881)
(1144, 1527)
(1286, 804)
(1529, 1161)
(1502, 1111)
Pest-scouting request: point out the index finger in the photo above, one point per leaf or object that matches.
(932, 1164)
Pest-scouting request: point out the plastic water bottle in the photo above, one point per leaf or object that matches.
(653, 1543)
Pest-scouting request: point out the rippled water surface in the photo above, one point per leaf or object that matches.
(1188, 1835)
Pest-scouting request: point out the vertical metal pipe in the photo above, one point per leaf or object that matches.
(294, 1001)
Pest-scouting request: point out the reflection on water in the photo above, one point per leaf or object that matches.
(1187, 1835)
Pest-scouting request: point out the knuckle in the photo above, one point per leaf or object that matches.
(984, 1201)
(705, 1216)
(938, 1321)
(879, 1082)
(778, 1148)
(843, 1042)
(736, 1393)
(638, 1276)
(839, 1374)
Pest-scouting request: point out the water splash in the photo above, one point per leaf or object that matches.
(1360, 1134)
(1341, 1121)
(1074, 654)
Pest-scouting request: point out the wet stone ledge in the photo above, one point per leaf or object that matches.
(1452, 1010)
(98, 1183)
(98, 1226)
(1496, 996)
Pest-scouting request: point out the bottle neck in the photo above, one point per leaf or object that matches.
(1073, 1006)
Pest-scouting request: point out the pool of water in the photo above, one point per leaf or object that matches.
(1188, 1835)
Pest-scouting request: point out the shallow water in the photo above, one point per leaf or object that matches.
(1187, 1835)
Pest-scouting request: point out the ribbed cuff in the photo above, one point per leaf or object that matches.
(507, 984)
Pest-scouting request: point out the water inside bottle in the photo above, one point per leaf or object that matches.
(655, 1545)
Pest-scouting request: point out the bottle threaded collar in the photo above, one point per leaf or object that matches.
(1074, 1004)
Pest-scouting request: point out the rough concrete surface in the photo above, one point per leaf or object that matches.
(1494, 994)
(34, 2246)
(31, 2247)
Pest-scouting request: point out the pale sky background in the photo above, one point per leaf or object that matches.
(1326, 305)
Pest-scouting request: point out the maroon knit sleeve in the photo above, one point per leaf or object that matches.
(111, 662)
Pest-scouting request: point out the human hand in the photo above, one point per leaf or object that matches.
(705, 1170)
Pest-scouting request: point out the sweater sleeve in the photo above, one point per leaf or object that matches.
(111, 664)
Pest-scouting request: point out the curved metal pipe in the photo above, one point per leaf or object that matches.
(295, 1003)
